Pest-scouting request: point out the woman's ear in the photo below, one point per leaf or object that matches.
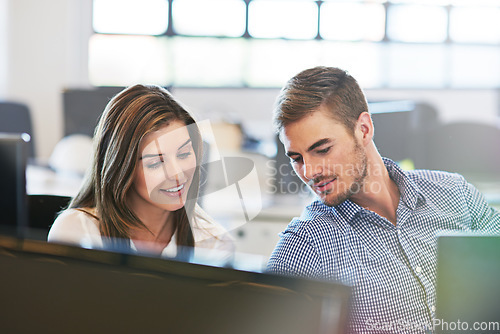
(364, 127)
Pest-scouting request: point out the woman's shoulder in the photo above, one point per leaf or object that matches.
(77, 216)
(85, 213)
(76, 226)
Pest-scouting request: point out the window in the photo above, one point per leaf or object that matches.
(280, 57)
(415, 65)
(261, 43)
(475, 24)
(347, 21)
(207, 61)
(362, 60)
(475, 66)
(417, 23)
(145, 17)
(125, 60)
(283, 19)
(209, 18)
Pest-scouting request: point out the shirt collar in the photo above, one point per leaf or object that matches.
(410, 193)
(349, 210)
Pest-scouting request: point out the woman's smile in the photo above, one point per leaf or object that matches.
(176, 191)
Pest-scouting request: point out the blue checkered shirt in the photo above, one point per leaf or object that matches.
(392, 268)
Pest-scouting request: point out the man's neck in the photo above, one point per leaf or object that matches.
(380, 193)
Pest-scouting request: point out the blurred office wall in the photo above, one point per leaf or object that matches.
(44, 50)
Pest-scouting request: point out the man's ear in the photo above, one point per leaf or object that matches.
(364, 128)
(280, 135)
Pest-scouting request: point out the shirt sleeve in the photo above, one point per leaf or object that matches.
(484, 217)
(294, 255)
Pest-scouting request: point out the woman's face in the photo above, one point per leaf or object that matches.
(165, 169)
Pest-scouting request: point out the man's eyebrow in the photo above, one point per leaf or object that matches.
(318, 143)
(153, 155)
(312, 147)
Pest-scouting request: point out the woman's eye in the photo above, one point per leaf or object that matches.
(154, 164)
(184, 155)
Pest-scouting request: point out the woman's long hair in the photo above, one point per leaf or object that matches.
(128, 117)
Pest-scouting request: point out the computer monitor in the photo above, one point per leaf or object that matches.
(468, 276)
(57, 288)
(285, 180)
(13, 198)
(402, 129)
(83, 107)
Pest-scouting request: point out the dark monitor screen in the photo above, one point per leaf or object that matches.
(468, 284)
(402, 129)
(83, 107)
(52, 288)
(13, 198)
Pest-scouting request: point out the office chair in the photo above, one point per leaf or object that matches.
(16, 118)
(401, 129)
(43, 210)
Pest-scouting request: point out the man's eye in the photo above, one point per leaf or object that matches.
(296, 160)
(324, 151)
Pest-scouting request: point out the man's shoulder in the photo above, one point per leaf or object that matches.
(436, 185)
(306, 241)
(315, 218)
(435, 177)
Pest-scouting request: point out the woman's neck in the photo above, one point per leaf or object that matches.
(160, 227)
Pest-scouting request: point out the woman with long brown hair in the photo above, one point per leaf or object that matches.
(141, 190)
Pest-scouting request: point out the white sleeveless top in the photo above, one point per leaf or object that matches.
(79, 228)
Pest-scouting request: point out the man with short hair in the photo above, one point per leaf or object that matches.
(373, 225)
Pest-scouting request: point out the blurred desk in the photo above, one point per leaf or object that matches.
(490, 190)
(43, 180)
(254, 222)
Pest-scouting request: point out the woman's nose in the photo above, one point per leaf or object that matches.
(173, 170)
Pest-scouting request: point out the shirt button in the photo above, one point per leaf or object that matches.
(418, 270)
(433, 308)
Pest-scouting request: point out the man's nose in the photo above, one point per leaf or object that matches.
(312, 169)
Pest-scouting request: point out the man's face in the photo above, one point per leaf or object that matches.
(326, 156)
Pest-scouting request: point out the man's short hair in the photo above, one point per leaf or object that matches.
(320, 86)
